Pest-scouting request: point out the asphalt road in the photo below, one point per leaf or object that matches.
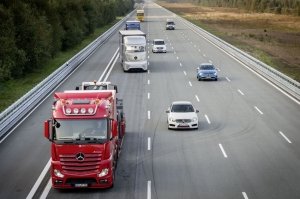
(247, 144)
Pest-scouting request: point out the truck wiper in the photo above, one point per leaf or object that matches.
(70, 140)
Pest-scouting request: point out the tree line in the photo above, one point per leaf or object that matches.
(33, 31)
(268, 6)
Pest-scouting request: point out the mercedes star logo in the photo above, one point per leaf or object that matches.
(182, 121)
(80, 156)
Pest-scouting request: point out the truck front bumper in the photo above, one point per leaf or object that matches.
(142, 65)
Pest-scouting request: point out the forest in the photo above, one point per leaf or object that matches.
(267, 6)
(33, 31)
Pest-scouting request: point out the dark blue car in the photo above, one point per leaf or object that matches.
(207, 71)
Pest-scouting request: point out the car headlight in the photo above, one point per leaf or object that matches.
(201, 73)
(58, 173)
(103, 172)
(171, 119)
(215, 74)
(194, 119)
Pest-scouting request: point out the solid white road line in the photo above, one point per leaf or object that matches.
(223, 151)
(149, 115)
(258, 110)
(110, 69)
(207, 119)
(197, 98)
(228, 79)
(149, 144)
(241, 92)
(245, 195)
(285, 137)
(149, 190)
(39, 180)
(47, 189)
(190, 83)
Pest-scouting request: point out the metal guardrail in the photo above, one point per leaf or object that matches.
(19, 109)
(279, 79)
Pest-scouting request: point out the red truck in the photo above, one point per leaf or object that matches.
(86, 132)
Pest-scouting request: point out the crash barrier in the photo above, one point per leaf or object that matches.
(22, 107)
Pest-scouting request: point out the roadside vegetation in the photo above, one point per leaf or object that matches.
(37, 37)
(272, 38)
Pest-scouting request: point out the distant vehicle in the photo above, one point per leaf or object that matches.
(170, 25)
(159, 45)
(207, 71)
(140, 15)
(132, 25)
(132, 44)
(182, 115)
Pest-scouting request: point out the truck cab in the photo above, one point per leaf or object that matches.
(132, 25)
(170, 24)
(86, 132)
(140, 15)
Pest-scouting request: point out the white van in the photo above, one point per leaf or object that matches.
(170, 25)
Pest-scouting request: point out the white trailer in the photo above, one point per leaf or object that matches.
(132, 45)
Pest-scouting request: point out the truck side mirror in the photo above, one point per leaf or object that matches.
(116, 88)
(114, 128)
(48, 129)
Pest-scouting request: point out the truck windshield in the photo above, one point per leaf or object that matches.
(132, 49)
(170, 23)
(89, 129)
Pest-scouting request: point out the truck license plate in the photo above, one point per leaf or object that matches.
(80, 185)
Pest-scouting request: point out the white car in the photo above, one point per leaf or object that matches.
(159, 45)
(182, 115)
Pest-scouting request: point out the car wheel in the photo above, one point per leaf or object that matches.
(199, 79)
(216, 79)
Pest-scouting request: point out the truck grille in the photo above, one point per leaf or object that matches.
(90, 164)
(183, 120)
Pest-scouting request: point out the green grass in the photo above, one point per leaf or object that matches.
(12, 90)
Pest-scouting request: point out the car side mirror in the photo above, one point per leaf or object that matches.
(167, 111)
(197, 111)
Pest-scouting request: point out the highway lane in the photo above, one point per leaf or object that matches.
(237, 152)
(247, 122)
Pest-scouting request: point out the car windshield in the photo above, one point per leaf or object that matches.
(132, 28)
(171, 23)
(132, 49)
(179, 108)
(207, 67)
(159, 42)
(80, 129)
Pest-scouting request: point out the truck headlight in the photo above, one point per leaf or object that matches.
(194, 119)
(103, 172)
(58, 173)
